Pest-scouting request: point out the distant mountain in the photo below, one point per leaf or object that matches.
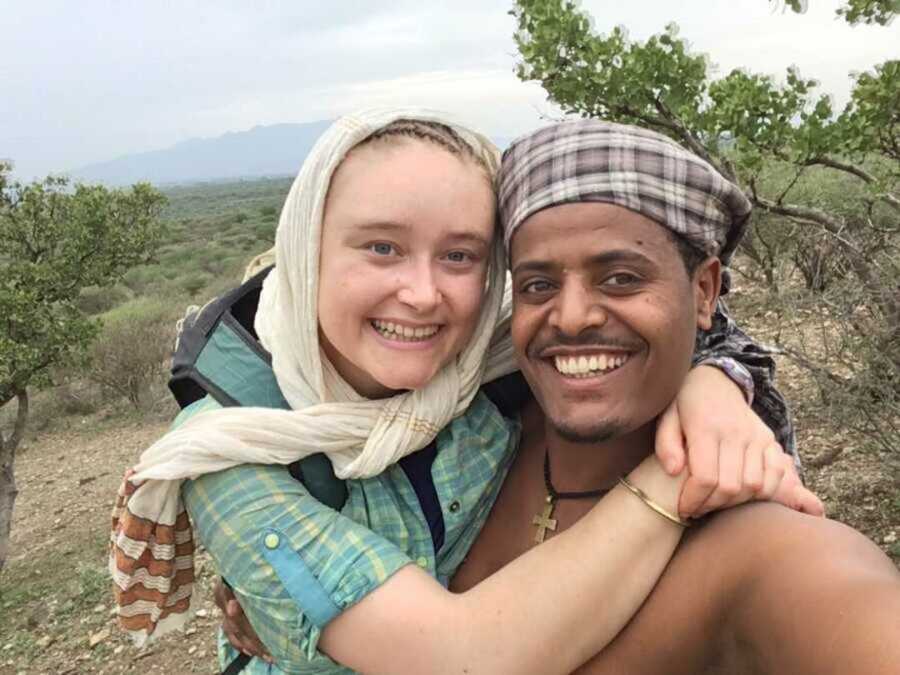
(263, 151)
(274, 150)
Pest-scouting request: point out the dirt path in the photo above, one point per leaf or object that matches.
(55, 597)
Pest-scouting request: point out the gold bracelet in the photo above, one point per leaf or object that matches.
(640, 494)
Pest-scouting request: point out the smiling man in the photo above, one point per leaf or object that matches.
(616, 238)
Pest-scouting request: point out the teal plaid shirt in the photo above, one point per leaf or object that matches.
(295, 564)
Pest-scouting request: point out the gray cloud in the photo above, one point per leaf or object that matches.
(88, 81)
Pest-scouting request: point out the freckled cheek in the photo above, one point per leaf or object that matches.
(465, 296)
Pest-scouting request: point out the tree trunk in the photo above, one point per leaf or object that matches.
(8, 490)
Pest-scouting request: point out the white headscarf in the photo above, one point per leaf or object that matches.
(361, 437)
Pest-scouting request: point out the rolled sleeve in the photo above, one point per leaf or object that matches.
(293, 562)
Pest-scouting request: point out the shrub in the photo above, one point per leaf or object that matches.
(135, 343)
(195, 282)
(97, 300)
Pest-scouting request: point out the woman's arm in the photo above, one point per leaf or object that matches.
(547, 611)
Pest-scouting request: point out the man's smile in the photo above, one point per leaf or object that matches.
(589, 364)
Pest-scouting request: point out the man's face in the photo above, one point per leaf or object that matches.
(604, 316)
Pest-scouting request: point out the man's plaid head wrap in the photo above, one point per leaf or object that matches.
(643, 171)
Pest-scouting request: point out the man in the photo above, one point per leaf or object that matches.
(599, 275)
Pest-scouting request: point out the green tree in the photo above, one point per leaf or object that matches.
(55, 240)
(831, 177)
(858, 11)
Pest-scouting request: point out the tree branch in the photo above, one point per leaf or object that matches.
(832, 163)
(790, 185)
(857, 171)
(808, 214)
(692, 142)
(9, 444)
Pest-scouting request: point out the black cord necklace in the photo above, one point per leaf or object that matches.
(543, 521)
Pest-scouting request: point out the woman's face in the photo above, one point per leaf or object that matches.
(406, 241)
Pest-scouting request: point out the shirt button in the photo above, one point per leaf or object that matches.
(422, 562)
(272, 540)
(454, 506)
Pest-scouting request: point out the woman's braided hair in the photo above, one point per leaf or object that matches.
(436, 133)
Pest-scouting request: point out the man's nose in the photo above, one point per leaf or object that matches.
(576, 308)
(419, 288)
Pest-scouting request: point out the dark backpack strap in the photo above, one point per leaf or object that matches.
(509, 393)
(237, 664)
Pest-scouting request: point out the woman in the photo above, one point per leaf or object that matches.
(392, 297)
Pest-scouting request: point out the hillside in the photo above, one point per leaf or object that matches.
(274, 150)
(263, 151)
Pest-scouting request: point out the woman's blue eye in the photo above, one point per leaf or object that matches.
(381, 248)
(458, 256)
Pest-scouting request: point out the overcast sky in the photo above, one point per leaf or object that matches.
(88, 81)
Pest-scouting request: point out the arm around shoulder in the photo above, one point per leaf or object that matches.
(517, 619)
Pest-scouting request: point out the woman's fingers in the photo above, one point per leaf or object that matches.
(670, 441)
(774, 467)
(807, 502)
(703, 463)
(754, 467)
(731, 478)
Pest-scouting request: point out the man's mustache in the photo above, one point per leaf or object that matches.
(593, 339)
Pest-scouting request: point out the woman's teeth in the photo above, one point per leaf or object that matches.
(394, 331)
(588, 366)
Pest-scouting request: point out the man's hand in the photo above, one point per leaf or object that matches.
(236, 626)
(732, 456)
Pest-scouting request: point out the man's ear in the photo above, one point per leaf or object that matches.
(707, 284)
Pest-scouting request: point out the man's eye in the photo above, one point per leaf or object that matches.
(621, 279)
(381, 248)
(537, 286)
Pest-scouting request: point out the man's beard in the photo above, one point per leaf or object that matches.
(600, 432)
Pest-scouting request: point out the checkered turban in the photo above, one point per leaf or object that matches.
(592, 161)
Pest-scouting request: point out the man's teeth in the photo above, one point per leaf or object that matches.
(588, 366)
(394, 331)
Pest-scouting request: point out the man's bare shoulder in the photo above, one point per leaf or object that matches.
(771, 529)
(747, 577)
(764, 547)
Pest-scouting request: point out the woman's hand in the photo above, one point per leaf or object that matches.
(732, 456)
(236, 626)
